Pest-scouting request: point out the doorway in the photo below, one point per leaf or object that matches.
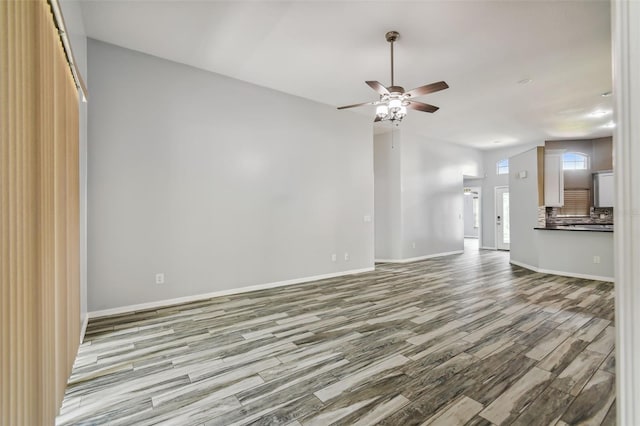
(503, 239)
(471, 213)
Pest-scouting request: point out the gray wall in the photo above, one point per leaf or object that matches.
(573, 252)
(419, 198)
(523, 207)
(217, 183)
(432, 197)
(489, 183)
(602, 154)
(388, 202)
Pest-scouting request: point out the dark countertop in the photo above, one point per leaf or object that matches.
(589, 227)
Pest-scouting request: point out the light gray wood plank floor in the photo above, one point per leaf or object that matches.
(463, 339)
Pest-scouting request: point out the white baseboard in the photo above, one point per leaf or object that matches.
(576, 275)
(473, 237)
(416, 259)
(523, 265)
(83, 329)
(561, 273)
(196, 297)
(488, 248)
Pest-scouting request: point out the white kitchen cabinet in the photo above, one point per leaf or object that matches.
(553, 178)
(603, 189)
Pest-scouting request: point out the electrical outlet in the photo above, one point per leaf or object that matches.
(596, 259)
(160, 278)
(334, 257)
(346, 257)
(366, 218)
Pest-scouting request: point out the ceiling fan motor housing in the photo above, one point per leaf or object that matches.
(396, 90)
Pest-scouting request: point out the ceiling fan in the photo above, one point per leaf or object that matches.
(394, 101)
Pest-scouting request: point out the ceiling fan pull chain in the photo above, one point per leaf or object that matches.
(392, 137)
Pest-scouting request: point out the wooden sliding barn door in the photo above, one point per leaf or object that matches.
(39, 215)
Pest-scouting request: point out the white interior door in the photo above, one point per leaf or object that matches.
(502, 218)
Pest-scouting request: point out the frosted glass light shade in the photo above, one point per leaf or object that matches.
(395, 105)
(382, 111)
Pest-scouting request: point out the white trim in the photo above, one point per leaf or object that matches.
(472, 237)
(495, 215)
(576, 275)
(83, 328)
(66, 46)
(488, 248)
(416, 259)
(196, 297)
(480, 215)
(561, 273)
(523, 265)
(625, 36)
(480, 209)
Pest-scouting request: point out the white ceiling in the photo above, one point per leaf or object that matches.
(324, 51)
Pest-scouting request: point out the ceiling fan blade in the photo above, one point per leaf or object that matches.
(377, 119)
(378, 87)
(357, 105)
(429, 88)
(422, 106)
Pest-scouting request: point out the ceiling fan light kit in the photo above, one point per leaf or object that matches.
(394, 101)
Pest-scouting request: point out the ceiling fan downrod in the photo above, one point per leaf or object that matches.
(391, 37)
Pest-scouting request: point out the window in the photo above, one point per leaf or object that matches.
(575, 161)
(506, 232)
(502, 167)
(576, 203)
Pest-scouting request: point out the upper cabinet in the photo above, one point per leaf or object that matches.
(603, 189)
(540, 160)
(553, 178)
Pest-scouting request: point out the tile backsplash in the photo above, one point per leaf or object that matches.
(596, 215)
(542, 216)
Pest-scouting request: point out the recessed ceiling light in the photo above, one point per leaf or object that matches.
(606, 94)
(609, 125)
(525, 81)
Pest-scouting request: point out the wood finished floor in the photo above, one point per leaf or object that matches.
(458, 340)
